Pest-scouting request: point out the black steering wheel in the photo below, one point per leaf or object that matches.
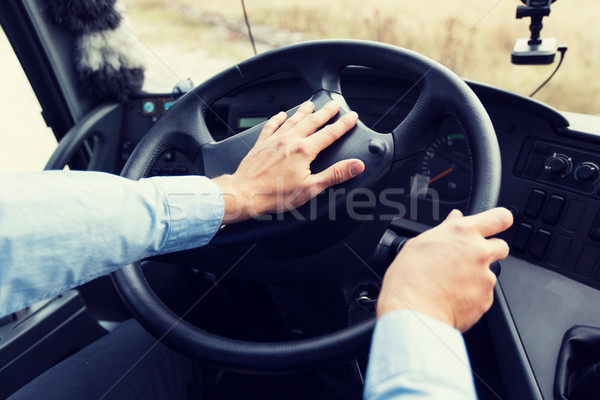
(323, 249)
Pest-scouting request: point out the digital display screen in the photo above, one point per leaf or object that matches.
(249, 122)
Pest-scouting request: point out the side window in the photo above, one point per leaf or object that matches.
(26, 143)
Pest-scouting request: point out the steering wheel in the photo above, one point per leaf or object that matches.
(323, 250)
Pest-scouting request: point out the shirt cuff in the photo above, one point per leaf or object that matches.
(193, 210)
(414, 354)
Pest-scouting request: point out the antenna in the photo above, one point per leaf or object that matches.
(249, 29)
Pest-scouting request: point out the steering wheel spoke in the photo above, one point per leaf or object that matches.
(417, 131)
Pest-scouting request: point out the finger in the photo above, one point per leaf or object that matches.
(305, 109)
(310, 123)
(336, 174)
(271, 126)
(333, 132)
(499, 248)
(492, 221)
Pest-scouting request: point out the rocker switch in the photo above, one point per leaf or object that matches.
(554, 209)
(539, 243)
(535, 203)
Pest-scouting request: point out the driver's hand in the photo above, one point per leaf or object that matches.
(275, 176)
(444, 272)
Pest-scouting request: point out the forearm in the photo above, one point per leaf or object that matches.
(60, 229)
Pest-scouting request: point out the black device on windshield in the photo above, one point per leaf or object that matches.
(535, 50)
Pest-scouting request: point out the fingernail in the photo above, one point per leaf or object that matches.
(355, 169)
(307, 103)
(353, 114)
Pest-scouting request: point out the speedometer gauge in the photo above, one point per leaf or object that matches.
(445, 171)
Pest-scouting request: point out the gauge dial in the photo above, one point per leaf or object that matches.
(445, 171)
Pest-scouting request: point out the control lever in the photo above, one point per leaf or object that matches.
(399, 242)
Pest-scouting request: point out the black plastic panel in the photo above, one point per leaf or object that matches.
(41, 336)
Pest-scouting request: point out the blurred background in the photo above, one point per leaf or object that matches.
(191, 39)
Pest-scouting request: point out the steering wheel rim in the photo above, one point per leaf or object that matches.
(319, 64)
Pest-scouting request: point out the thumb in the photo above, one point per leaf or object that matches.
(339, 172)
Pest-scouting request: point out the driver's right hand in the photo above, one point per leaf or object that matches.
(444, 272)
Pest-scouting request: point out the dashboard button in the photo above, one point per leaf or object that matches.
(553, 209)
(534, 203)
(587, 260)
(595, 231)
(559, 250)
(149, 107)
(521, 237)
(539, 243)
(573, 215)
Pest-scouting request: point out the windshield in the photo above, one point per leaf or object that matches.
(191, 39)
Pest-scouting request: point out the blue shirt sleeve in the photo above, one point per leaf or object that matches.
(59, 229)
(414, 356)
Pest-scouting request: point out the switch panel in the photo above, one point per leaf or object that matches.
(559, 165)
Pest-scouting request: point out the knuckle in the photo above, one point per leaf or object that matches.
(486, 304)
(337, 175)
(280, 141)
(507, 218)
(298, 148)
(345, 123)
(330, 131)
(500, 222)
(488, 286)
(491, 280)
(459, 228)
(504, 248)
(314, 119)
(270, 125)
(485, 255)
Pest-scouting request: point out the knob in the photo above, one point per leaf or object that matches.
(587, 172)
(559, 164)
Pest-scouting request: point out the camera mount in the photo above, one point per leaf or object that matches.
(536, 50)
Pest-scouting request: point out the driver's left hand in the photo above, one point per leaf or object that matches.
(275, 176)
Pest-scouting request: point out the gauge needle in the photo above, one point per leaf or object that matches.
(441, 175)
